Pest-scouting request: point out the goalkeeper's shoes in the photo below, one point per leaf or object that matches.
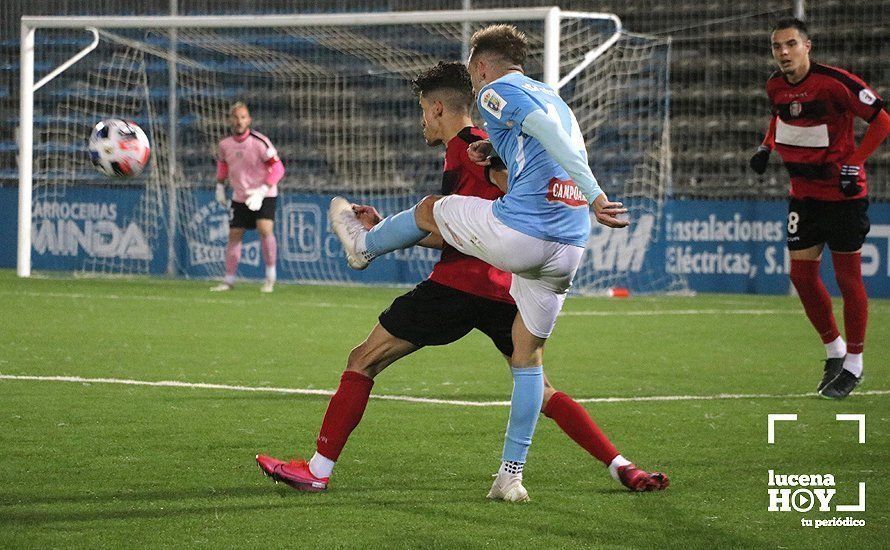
(268, 286)
(833, 367)
(221, 287)
(350, 231)
(508, 487)
(841, 386)
(295, 473)
(638, 480)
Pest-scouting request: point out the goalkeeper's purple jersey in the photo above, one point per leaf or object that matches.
(246, 160)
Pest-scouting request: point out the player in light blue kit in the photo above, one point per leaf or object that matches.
(537, 231)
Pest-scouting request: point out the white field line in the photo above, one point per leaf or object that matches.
(655, 312)
(180, 299)
(405, 398)
(224, 301)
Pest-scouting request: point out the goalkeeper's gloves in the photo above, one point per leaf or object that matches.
(221, 194)
(255, 197)
(850, 180)
(759, 160)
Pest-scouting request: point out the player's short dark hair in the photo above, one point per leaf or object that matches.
(792, 23)
(448, 80)
(503, 40)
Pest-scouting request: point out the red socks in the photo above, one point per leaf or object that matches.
(573, 419)
(848, 271)
(344, 412)
(815, 298)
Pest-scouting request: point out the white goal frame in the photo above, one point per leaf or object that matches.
(551, 16)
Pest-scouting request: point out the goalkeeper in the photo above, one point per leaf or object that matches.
(250, 162)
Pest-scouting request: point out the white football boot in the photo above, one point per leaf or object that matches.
(348, 229)
(508, 487)
(221, 287)
(268, 286)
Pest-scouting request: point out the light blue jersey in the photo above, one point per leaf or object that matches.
(541, 200)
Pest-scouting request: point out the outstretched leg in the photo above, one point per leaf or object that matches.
(345, 409)
(347, 405)
(573, 419)
(402, 230)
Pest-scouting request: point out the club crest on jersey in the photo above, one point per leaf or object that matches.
(866, 96)
(493, 103)
(795, 108)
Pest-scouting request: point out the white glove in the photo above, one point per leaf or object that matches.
(221, 194)
(255, 197)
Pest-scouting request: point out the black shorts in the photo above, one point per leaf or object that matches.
(841, 224)
(243, 217)
(434, 315)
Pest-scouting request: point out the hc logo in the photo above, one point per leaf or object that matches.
(302, 231)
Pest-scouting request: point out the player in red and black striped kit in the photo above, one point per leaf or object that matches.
(462, 293)
(813, 108)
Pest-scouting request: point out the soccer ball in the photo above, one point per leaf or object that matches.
(119, 148)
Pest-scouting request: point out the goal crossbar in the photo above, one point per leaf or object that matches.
(313, 20)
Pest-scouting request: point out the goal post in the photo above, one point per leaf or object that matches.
(324, 70)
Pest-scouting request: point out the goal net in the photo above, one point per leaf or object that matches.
(336, 101)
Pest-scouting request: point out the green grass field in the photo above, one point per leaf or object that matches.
(109, 465)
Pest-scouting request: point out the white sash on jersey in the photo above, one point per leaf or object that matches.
(801, 136)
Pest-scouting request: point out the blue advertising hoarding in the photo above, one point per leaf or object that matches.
(717, 246)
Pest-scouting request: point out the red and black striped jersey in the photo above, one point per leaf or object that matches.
(814, 127)
(462, 176)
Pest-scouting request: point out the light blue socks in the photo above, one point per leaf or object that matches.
(394, 233)
(525, 405)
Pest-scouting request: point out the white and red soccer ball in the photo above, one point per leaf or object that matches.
(119, 148)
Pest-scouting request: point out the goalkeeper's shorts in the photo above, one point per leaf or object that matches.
(242, 217)
(433, 314)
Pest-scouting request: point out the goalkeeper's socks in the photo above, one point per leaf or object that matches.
(525, 404)
(573, 419)
(393, 233)
(269, 247)
(344, 412)
(233, 255)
